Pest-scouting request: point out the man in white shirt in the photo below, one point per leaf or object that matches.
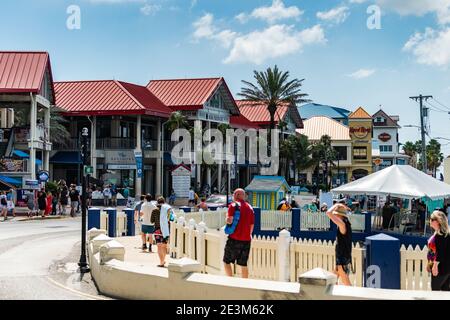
(191, 196)
(147, 227)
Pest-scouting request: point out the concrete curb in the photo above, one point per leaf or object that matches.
(46, 218)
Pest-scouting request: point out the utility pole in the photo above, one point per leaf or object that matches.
(421, 98)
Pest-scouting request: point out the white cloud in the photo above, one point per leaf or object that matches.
(357, 1)
(242, 17)
(431, 47)
(362, 73)
(337, 15)
(419, 8)
(205, 29)
(149, 9)
(277, 11)
(275, 41)
(204, 26)
(116, 1)
(193, 3)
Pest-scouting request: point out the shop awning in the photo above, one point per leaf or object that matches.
(25, 155)
(66, 157)
(10, 181)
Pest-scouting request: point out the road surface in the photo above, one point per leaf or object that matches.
(38, 261)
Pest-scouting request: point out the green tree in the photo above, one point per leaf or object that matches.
(58, 131)
(323, 153)
(434, 156)
(410, 149)
(177, 121)
(273, 88)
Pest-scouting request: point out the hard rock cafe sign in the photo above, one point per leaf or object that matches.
(360, 132)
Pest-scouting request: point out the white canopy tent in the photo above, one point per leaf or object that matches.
(401, 181)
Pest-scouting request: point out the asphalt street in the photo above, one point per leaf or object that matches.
(38, 261)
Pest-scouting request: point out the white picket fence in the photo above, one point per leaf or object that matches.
(276, 220)
(319, 221)
(279, 259)
(310, 220)
(413, 269)
(212, 219)
(307, 254)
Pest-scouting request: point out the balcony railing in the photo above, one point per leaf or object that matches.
(70, 144)
(116, 143)
(152, 145)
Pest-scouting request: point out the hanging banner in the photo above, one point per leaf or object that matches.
(139, 163)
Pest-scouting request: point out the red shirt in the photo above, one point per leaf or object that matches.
(247, 219)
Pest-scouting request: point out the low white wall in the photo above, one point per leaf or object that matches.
(182, 281)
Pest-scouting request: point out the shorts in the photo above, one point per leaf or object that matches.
(237, 252)
(159, 237)
(345, 263)
(74, 204)
(146, 229)
(30, 206)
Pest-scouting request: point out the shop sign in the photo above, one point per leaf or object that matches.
(385, 137)
(181, 181)
(43, 176)
(31, 184)
(119, 157)
(122, 167)
(10, 165)
(360, 132)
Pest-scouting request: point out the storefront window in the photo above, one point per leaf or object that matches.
(360, 153)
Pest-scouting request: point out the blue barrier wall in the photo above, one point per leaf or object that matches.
(330, 235)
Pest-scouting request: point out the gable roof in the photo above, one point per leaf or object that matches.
(190, 94)
(241, 122)
(22, 72)
(257, 112)
(267, 184)
(360, 113)
(314, 109)
(316, 127)
(390, 122)
(107, 97)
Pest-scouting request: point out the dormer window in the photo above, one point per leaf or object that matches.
(380, 120)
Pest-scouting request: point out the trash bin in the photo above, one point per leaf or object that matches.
(131, 227)
(94, 218)
(383, 252)
(112, 222)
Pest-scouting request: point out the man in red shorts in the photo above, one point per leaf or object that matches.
(237, 248)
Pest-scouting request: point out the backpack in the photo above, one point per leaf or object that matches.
(231, 228)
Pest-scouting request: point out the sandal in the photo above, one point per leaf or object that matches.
(161, 265)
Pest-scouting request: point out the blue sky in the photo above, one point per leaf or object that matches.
(327, 42)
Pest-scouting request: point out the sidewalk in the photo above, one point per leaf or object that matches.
(135, 255)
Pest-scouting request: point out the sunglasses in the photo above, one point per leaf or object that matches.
(433, 219)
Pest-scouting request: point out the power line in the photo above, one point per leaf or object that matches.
(443, 105)
(435, 108)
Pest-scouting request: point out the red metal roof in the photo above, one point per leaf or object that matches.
(22, 72)
(109, 97)
(241, 122)
(184, 94)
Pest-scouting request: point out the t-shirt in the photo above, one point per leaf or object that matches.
(74, 195)
(3, 200)
(442, 253)
(107, 193)
(146, 209)
(126, 193)
(191, 195)
(247, 219)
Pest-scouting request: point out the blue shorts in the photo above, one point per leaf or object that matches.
(146, 229)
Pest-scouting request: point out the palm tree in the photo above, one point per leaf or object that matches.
(434, 156)
(273, 88)
(323, 152)
(410, 150)
(177, 121)
(58, 131)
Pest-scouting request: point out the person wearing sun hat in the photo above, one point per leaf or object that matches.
(338, 215)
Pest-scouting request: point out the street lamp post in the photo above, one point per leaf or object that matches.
(84, 154)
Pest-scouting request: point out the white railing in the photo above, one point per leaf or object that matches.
(212, 219)
(310, 220)
(276, 220)
(358, 222)
(307, 255)
(121, 223)
(268, 258)
(413, 269)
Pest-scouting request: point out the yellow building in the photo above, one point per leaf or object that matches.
(360, 126)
